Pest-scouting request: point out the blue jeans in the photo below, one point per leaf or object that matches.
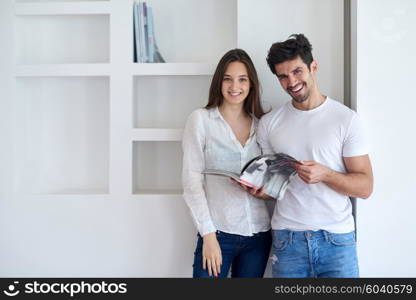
(247, 256)
(314, 254)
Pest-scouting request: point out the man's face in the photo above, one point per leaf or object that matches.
(296, 79)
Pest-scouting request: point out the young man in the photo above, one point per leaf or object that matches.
(313, 226)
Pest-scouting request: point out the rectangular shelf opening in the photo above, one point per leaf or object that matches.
(167, 101)
(157, 168)
(63, 134)
(68, 39)
(186, 31)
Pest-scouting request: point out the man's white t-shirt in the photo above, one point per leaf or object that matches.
(324, 134)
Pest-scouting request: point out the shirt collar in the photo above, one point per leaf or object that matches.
(214, 113)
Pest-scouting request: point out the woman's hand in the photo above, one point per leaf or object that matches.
(258, 193)
(211, 254)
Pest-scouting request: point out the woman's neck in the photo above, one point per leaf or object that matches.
(232, 112)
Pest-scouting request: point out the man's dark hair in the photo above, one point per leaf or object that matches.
(296, 45)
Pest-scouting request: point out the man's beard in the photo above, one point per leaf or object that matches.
(301, 98)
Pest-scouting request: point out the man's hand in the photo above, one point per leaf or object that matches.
(211, 254)
(356, 182)
(312, 172)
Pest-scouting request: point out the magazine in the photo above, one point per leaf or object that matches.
(272, 172)
(144, 43)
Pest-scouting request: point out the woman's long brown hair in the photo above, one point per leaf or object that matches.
(252, 103)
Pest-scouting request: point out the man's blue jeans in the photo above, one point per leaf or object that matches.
(247, 256)
(314, 254)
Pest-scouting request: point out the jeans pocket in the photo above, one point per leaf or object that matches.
(342, 239)
(279, 244)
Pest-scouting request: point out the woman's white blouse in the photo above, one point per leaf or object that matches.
(217, 202)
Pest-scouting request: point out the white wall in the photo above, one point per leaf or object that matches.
(6, 100)
(386, 101)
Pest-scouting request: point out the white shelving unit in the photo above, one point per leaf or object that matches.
(96, 123)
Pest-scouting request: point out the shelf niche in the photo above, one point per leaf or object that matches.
(157, 167)
(64, 39)
(63, 135)
(167, 101)
(186, 32)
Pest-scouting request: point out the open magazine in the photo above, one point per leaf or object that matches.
(272, 172)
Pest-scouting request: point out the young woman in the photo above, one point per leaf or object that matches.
(233, 226)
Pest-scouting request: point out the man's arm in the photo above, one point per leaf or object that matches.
(357, 182)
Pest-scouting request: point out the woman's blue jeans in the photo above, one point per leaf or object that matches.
(246, 256)
(314, 254)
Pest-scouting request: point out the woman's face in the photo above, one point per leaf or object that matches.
(235, 83)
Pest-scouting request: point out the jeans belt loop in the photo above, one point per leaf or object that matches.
(326, 234)
(290, 237)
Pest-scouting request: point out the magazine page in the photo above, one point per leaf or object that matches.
(222, 173)
(272, 172)
(231, 175)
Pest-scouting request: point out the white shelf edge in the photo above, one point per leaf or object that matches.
(76, 8)
(62, 197)
(155, 69)
(104, 69)
(157, 193)
(37, 70)
(148, 194)
(156, 134)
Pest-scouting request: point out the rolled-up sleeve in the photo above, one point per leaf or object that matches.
(193, 145)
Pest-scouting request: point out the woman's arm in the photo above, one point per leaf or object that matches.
(193, 145)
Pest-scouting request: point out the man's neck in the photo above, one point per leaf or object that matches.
(314, 100)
